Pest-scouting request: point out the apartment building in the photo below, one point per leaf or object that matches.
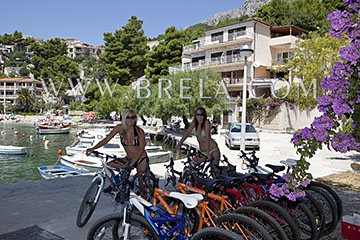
(77, 48)
(219, 50)
(11, 87)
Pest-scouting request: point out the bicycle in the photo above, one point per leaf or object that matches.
(94, 191)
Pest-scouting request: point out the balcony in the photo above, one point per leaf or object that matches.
(284, 42)
(215, 61)
(208, 42)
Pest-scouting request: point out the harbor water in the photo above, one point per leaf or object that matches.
(18, 168)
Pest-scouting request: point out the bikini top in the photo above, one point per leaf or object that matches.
(136, 142)
(202, 134)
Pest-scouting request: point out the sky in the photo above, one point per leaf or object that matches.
(87, 20)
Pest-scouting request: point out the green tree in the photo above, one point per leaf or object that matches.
(275, 13)
(185, 106)
(25, 100)
(167, 53)
(50, 62)
(125, 52)
(17, 59)
(308, 14)
(313, 60)
(16, 39)
(3, 75)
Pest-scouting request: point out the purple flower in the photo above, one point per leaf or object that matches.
(339, 107)
(305, 182)
(353, 124)
(321, 134)
(343, 142)
(350, 53)
(295, 138)
(340, 21)
(324, 103)
(323, 122)
(335, 34)
(291, 196)
(306, 133)
(287, 177)
(353, 4)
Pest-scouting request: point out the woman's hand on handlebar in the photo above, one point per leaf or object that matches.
(89, 151)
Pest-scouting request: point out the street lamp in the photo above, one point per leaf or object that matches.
(245, 51)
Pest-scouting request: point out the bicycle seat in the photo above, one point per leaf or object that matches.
(275, 168)
(229, 181)
(189, 200)
(289, 162)
(262, 176)
(241, 176)
(209, 184)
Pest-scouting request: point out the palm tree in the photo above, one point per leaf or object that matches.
(25, 100)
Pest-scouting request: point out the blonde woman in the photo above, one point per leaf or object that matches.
(132, 138)
(202, 128)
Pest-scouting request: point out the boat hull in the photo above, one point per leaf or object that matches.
(11, 150)
(54, 130)
(51, 172)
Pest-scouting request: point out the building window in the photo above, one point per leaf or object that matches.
(217, 37)
(284, 57)
(71, 49)
(234, 33)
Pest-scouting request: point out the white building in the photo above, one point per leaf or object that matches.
(77, 48)
(219, 50)
(11, 87)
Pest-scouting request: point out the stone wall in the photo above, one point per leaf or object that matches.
(284, 118)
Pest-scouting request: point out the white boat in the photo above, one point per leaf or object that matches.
(53, 129)
(12, 150)
(92, 163)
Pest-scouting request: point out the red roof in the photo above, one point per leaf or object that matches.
(19, 80)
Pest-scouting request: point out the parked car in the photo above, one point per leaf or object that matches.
(233, 136)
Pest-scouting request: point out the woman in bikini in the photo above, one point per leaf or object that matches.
(202, 128)
(132, 138)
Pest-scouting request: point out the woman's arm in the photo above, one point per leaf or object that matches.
(116, 130)
(207, 136)
(186, 135)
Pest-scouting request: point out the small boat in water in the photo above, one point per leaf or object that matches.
(48, 129)
(12, 150)
(50, 172)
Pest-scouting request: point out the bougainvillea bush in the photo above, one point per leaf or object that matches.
(341, 103)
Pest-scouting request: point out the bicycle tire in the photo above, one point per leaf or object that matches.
(150, 185)
(329, 208)
(243, 226)
(272, 227)
(186, 178)
(316, 208)
(107, 226)
(333, 195)
(214, 233)
(87, 201)
(281, 216)
(304, 219)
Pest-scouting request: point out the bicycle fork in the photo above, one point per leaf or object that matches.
(125, 224)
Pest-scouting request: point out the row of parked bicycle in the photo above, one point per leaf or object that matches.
(209, 202)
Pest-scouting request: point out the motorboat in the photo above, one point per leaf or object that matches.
(57, 171)
(12, 150)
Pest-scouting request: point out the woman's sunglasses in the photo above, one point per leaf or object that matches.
(132, 117)
(200, 114)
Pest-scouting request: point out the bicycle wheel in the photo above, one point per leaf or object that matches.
(151, 183)
(186, 178)
(304, 219)
(88, 203)
(333, 195)
(315, 207)
(272, 227)
(328, 206)
(281, 216)
(110, 227)
(244, 226)
(214, 233)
